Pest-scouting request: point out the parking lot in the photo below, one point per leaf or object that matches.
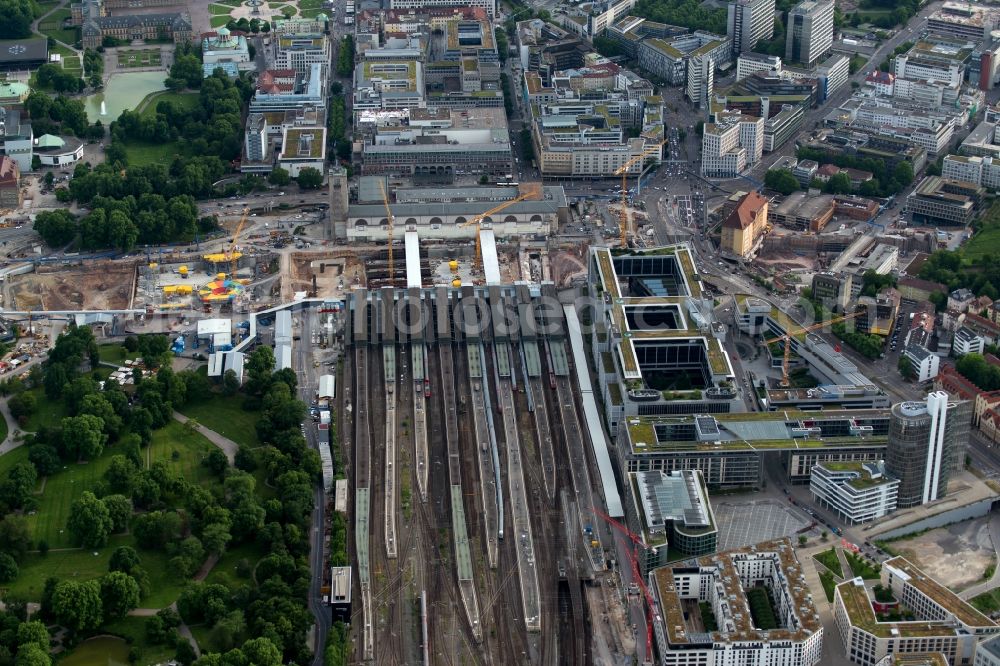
(746, 523)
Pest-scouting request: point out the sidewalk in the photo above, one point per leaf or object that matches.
(228, 446)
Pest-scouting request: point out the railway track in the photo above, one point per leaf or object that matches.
(418, 354)
(389, 377)
(520, 513)
(362, 498)
(483, 443)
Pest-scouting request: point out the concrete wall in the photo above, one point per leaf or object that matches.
(956, 515)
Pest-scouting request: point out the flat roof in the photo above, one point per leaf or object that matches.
(491, 263)
(413, 278)
(24, 50)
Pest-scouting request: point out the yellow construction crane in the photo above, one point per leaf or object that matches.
(230, 255)
(648, 153)
(528, 191)
(786, 341)
(392, 223)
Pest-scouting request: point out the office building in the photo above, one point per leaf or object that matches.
(832, 289)
(966, 341)
(782, 126)
(942, 201)
(671, 59)
(988, 653)
(751, 63)
(944, 622)
(803, 212)
(17, 139)
(924, 362)
(670, 512)
(489, 6)
(701, 80)
(302, 147)
(963, 20)
(983, 171)
(675, 336)
(926, 446)
(723, 588)
(809, 35)
(832, 74)
(857, 492)
(748, 22)
(826, 397)
(731, 144)
(300, 51)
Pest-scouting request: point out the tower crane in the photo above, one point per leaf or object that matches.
(650, 605)
(528, 191)
(636, 539)
(233, 254)
(648, 153)
(787, 344)
(392, 222)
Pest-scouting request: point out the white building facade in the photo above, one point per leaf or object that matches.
(858, 491)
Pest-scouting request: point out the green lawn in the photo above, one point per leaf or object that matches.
(141, 153)
(52, 26)
(224, 571)
(826, 578)
(191, 449)
(828, 558)
(983, 243)
(3, 429)
(311, 13)
(187, 101)
(139, 58)
(114, 354)
(8, 460)
(47, 411)
(219, 9)
(219, 21)
(226, 416)
(73, 64)
(133, 630)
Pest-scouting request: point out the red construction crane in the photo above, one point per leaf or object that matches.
(650, 605)
(635, 538)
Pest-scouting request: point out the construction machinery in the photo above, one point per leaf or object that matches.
(650, 605)
(654, 152)
(531, 191)
(392, 222)
(231, 255)
(786, 341)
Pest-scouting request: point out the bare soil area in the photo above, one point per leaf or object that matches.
(956, 555)
(96, 286)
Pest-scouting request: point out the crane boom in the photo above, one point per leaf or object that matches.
(786, 341)
(647, 153)
(621, 528)
(392, 222)
(232, 246)
(530, 191)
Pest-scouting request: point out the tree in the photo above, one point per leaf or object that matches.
(215, 537)
(22, 405)
(906, 368)
(119, 594)
(781, 180)
(33, 633)
(45, 458)
(120, 509)
(83, 436)
(230, 382)
(124, 559)
(15, 536)
(121, 474)
(15, 18)
(77, 605)
(33, 655)
(262, 652)
(17, 488)
(838, 184)
(217, 462)
(310, 178)
(8, 568)
(89, 521)
(279, 176)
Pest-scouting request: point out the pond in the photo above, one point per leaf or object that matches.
(124, 90)
(100, 651)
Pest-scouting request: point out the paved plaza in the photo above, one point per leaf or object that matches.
(747, 523)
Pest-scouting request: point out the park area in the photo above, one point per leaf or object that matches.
(139, 58)
(112, 502)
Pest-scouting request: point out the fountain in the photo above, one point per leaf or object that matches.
(104, 108)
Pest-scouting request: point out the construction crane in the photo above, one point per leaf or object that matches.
(392, 222)
(233, 255)
(654, 152)
(650, 605)
(787, 344)
(633, 537)
(528, 191)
